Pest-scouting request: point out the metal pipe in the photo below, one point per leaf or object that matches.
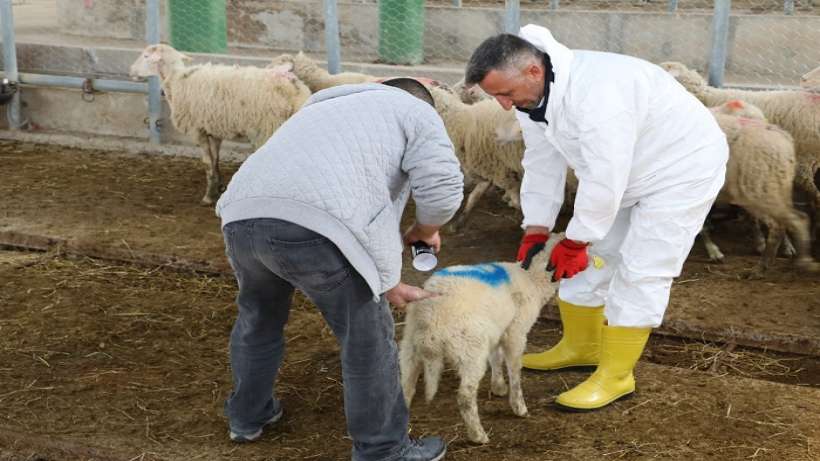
(15, 117)
(672, 6)
(788, 7)
(457, 3)
(720, 42)
(152, 19)
(554, 4)
(334, 54)
(512, 17)
(120, 86)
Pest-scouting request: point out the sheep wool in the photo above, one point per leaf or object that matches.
(797, 112)
(482, 313)
(212, 102)
(314, 76)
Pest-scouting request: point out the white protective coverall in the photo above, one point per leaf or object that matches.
(650, 160)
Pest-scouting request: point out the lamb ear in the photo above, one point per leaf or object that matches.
(186, 58)
(525, 264)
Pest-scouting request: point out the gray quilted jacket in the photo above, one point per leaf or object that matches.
(344, 166)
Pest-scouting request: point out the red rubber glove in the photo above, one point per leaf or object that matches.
(568, 258)
(527, 242)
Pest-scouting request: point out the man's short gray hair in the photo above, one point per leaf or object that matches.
(411, 86)
(499, 53)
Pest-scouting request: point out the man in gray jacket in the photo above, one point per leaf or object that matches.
(317, 208)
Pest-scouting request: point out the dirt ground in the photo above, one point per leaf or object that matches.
(105, 359)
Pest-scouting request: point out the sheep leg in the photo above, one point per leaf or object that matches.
(471, 370)
(216, 145)
(514, 343)
(815, 218)
(211, 159)
(758, 237)
(497, 384)
(410, 367)
(804, 179)
(711, 248)
(799, 226)
(472, 200)
(776, 233)
(788, 247)
(432, 372)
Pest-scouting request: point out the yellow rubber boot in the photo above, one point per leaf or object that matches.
(581, 344)
(620, 349)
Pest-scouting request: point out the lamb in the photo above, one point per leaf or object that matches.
(482, 312)
(314, 76)
(215, 102)
(811, 80)
(759, 178)
(797, 112)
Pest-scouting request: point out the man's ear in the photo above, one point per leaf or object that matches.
(534, 71)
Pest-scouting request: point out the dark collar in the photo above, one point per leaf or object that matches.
(539, 113)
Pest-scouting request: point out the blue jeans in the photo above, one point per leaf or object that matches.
(270, 257)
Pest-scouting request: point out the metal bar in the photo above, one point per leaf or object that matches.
(672, 6)
(554, 4)
(512, 16)
(457, 3)
(720, 42)
(15, 117)
(152, 19)
(788, 7)
(120, 86)
(334, 54)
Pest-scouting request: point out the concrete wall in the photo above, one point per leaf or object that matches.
(773, 48)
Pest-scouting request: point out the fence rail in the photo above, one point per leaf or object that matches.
(742, 42)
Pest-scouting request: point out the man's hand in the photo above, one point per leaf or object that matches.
(402, 294)
(568, 258)
(534, 236)
(425, 233)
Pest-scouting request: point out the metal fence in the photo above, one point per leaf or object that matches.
(88, 44)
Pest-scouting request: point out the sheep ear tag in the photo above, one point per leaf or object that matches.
(598, 262)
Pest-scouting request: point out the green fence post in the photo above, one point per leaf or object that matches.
(401, 31)
(198, 25)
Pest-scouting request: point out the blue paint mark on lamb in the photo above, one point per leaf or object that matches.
(491, 274)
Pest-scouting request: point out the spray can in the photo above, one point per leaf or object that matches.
(424, 258)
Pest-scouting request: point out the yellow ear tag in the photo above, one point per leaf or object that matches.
(598, 262)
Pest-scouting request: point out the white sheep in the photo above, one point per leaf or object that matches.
(740, 108)
(471, 94)
(811, 80)
(316, 77)
(759, 178)
(797, 112)
(215, 102)
(487, 153)
(482, 313)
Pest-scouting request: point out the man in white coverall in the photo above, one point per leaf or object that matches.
(650, 160)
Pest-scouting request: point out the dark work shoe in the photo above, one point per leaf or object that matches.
(425, 449)
(253, 437)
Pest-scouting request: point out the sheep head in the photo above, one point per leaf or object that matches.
(690, 79)
(300, 63)
(470, 94)
(539, 255)
(158, 60)
(284, 70)
(811, 80)
(739, 108)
